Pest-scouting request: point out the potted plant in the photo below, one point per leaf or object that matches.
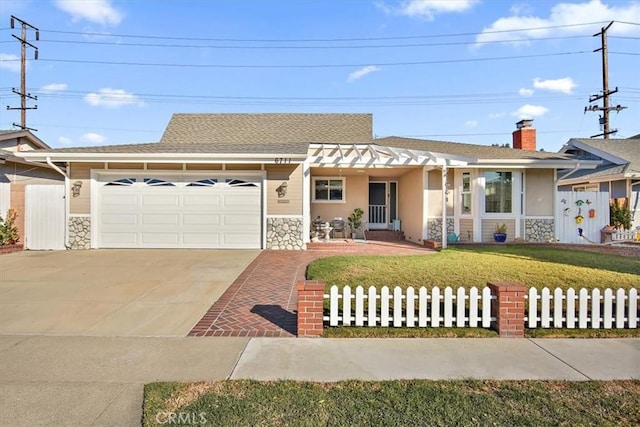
(500, 235)
(355, 220)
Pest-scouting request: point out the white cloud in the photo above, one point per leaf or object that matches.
(10, 62)
(112, 98)
(54, 87)
(562, 14)
(471, 123)
(427, 9)
(525, 92)
(97, 11)
(63, 140)
(362, 72)
(93, 138)
(565, 85)
(529, 111)
(497, 115)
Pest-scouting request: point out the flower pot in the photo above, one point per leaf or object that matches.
(500, 237)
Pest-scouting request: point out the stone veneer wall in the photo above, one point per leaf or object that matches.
(285, 233)
(79, 232)
(539, 230)
(434, 228)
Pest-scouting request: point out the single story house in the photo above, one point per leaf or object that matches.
(16, 173)
(258, 180)
(618, 174)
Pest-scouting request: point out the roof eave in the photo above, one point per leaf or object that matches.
(538, 163)
(165, 157)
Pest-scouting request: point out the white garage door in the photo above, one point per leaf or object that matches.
(165, 211)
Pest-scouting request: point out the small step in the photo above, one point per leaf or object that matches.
(385, 235)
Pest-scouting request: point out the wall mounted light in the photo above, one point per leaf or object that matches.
(282, 190)
(75, 188)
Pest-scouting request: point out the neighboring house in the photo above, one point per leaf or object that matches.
(619, 173)
(16, 172)
(257, 180)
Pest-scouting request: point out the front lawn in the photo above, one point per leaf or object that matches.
(393, 403)
(532, 266)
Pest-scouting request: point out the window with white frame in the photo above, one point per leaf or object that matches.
(498, 192)
(328, 189)
(466, 192)
(586, 187)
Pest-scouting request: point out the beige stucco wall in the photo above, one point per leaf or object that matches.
(539, 192)
(357, 196)
(81, 172)
(435, 193)
(410, 202)
(28, 174)
(291, 203)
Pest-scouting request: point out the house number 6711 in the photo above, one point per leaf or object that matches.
(282, 160)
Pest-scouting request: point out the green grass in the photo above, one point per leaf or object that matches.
(380, 332)
(397, 403)
(475, 266)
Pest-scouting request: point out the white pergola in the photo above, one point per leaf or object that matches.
(378, 156)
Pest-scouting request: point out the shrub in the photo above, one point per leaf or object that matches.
(8, 229)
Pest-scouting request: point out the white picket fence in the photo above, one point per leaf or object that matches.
(623, 235)
(461, 308)
(409, 308)
(582, 310)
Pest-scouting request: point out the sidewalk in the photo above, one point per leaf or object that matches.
(92, 381)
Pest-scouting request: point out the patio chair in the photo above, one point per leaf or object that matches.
(338, 227)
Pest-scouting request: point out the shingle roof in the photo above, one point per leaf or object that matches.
(626, 149)
(469, 150)
(267, 128)
(213, 148)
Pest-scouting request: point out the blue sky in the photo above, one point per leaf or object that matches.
(113, 72)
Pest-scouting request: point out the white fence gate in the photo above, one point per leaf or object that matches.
(585, 211)
(44, 217)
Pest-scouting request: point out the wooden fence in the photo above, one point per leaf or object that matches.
(409, 307)
(582, 310)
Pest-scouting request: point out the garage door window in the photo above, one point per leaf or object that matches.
(123, 181)
(209, 182)
(239, 183)
(155, 182)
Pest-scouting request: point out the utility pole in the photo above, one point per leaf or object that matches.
(604, 119)
(23, 72)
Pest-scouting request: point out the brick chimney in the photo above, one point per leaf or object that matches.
(524, 138)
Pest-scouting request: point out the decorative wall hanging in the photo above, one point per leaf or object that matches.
(592, 213)
(579, 202)
(579, 219)
(567, 211)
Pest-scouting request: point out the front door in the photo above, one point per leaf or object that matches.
(382, 204)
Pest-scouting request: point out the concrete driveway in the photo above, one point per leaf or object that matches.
(112, 292)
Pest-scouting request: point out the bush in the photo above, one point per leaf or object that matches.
(620, 214)
(8, 229)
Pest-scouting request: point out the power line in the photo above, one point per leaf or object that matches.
(387, 46)
(276, 66)
(549, 27)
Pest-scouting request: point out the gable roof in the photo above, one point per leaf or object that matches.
(622, 158)
(481, 152)
(7, 134)
(267, 128)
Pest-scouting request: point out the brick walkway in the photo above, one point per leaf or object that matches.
(262, 301)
